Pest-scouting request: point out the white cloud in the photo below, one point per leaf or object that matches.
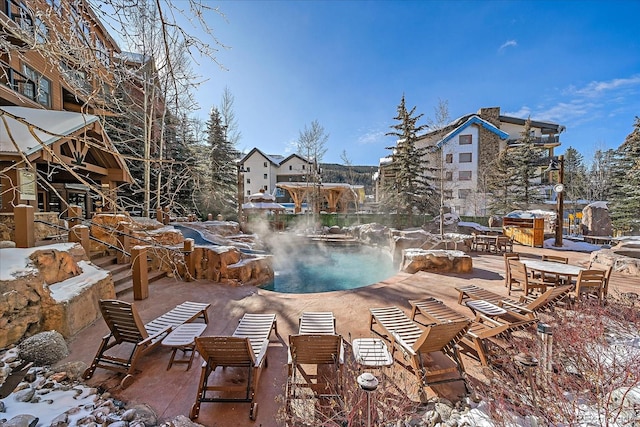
(371, 137)
(596, 88)
(522, 113)
(508, 43)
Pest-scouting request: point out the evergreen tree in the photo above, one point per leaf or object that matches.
(575, 179)
(499, 185)
(600, 177)
(625, 200)
(523, 160)
(222, 186)
(410, 188)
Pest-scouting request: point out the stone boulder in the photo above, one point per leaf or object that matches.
(56, 266)
(44, 348)
(596, 220)
(624, 257)
(372, 234)
(414, 260)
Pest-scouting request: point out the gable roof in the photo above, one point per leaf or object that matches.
(273, 158)
(291, 156)
(462, 124)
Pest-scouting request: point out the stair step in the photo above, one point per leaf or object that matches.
(125, 286)
(102, 260)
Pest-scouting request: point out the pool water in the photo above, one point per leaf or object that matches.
(321, 267)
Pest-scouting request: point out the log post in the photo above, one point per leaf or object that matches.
(189, 259)
(80, 234)
(140, 273)
(124, 243)
(74, 216)
(25, 236)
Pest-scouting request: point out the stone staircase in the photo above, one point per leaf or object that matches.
(121, 273)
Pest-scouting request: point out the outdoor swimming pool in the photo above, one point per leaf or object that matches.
(321, 267)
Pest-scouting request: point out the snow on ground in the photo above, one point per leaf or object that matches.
(570, 245)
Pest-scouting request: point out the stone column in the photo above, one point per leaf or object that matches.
(25, 228)
(140, 273)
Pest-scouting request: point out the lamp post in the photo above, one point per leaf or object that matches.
(558, 165)
(369, 383)
(241, 170)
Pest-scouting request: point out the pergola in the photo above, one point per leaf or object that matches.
(332, 193)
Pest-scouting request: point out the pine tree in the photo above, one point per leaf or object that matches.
(600, 176)
(411, 187)
(625, 200)
(523, 160)
(499, 184)
(222, 186)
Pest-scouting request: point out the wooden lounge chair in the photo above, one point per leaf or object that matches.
(481, 328)
(475, 292)
(125, 326)
(316, 355)
(527, 307)
(410, 341)
(245, 349)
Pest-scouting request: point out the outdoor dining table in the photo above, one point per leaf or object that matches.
(565, 270)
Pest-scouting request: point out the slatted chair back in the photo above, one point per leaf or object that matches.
(226, 351)
(555, 258)
(123, 321)
(441, 336)
(607, 275)
(508, 280)
(591, 283)
(520, 274)
(315, 349)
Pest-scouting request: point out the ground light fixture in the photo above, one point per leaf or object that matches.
(369, 383)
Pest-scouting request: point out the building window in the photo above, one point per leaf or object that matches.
(42, 32)
(448, 194)
(464, 157)
(303, 168)
(265, 176)
(449, 158)
(448, 176)
(265, 164)
(464, 139)
(290, 167)
(40, 90)
(248, 192)
(248, 169)
(464, 194)
(248, 180)
(464, 175)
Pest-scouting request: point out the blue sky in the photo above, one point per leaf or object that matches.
(346, 64)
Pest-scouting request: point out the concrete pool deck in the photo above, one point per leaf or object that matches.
(172, 392)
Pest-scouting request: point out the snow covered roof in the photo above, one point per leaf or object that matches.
(473, 120)
(49, 126)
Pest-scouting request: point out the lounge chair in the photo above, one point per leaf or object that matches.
(481, 328)
(410, 341)
(125, 326)
(246, 348)
(316, 355)
(528, 307)
(475, 292)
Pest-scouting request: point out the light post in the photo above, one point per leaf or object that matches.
(241, 170)
(558, 165)
(369, 383)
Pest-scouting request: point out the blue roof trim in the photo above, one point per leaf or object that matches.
(473, 120)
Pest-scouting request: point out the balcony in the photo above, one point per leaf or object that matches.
(16, 21)
(545, 141)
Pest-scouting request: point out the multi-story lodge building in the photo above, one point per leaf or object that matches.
(56, 62)
(463, 152)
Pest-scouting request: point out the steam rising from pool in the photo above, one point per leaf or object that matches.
(304, 266)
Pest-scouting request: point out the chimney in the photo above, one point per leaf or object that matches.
(490, 114)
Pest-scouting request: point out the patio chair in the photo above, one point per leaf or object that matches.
(554, 279)
(316, 356)
(411, 342)
(520, 274)
(481, 328)
(528, 307)
(508, 280)
(607, 276)
(591, 283)
(126, 327)
(246, 350)
(475, 292)
(504, 244)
